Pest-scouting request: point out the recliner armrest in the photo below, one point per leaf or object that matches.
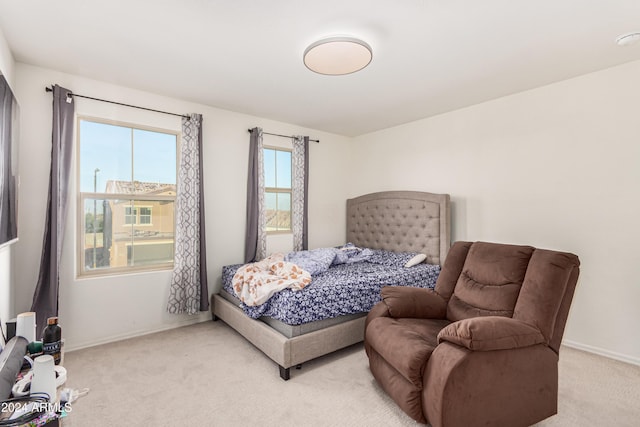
(420, 303)
(491, 333)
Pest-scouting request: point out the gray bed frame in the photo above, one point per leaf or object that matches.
(403, 221)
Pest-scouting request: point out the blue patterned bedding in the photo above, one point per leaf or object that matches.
(342, 289)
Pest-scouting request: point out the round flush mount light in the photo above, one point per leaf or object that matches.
(628, 39)
(337, 56)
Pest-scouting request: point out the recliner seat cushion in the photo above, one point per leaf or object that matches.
(405, 344)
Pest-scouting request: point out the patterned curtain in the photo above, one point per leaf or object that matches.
(299, 190)
(255, 246)
(189, 291)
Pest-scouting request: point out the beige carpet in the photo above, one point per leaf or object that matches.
(208, 375)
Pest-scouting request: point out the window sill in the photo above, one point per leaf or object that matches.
(123, 272)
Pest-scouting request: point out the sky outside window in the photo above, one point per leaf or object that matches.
(109, 148)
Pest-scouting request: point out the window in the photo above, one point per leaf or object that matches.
(127, 189)
(137, 215)
(145, 216)
(129, 215)
(277, 195)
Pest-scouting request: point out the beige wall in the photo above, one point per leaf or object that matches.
(7, 63)
(555, 167)
(98, 310)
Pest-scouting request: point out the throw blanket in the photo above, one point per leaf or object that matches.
(255, 283)
(318, 261)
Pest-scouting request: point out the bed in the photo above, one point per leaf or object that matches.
(399, 221)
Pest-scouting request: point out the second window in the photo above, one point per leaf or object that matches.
(277, 183)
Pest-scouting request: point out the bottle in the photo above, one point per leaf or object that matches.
(52, 340)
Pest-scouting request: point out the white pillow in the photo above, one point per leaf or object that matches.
(416, 260)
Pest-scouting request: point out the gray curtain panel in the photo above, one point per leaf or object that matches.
(255, 244)
(189, 291)
(8, 225)
(305, 211)
(45, 298)
(204, 287)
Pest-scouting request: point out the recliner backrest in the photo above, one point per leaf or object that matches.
(490, 281)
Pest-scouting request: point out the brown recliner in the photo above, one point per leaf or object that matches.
(482, 348)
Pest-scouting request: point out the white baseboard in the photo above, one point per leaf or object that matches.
(602, 352)
(133, 334)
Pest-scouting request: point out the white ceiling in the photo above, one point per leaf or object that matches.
(430, 56)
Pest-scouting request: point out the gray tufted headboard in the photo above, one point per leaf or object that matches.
(401, 221)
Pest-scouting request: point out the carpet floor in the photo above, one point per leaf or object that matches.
(208, 375)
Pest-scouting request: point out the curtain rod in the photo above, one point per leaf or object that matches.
(70, 94)
(284, 136)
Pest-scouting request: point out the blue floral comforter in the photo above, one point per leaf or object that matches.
(345, 288)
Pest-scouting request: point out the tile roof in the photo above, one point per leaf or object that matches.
(139, 187)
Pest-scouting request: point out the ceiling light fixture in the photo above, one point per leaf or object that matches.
(337, 56)
(628, 39)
